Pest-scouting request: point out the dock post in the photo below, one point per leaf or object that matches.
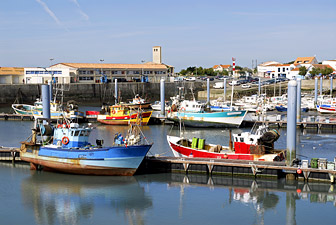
(116, 90)
(291, 122)
(208, 91)
(162, 96)
(321, 85)
(331, 86)
(298, 101)
(50, 90)
(46, 101)
(315, 96)
(13, 157)
(224, 89)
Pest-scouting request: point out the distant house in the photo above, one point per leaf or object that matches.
(320, 66)
(274, 69)
(11, 75)
(331, 63)
(305, 61)
(294, 73)
(221, 68)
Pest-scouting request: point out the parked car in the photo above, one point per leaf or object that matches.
(234, 83)
(191, 79)
(246, 86)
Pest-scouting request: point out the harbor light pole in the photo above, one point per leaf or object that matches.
(101, 69)
(141, 78)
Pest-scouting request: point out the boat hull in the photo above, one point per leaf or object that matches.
(23, 109)
(209, 119)
(326, 109)
(113, 161)
(55, 115)
(183, 151)
(125, 119)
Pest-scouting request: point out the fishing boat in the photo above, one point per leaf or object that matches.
(123, 115)
(156, 106)
(193, 113)
(138, 102)
(327, 105)
(232, 118)
(23, 109)
(66, 148)
(254, 145)
(57, 111)
(326, 108)
(283, 108)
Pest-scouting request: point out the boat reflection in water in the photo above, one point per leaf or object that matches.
(68, 199)
(263, 195)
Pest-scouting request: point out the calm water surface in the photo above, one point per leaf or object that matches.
(30, 197)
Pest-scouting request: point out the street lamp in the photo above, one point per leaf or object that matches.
(101, 68)
(142, 61)
(51, 61)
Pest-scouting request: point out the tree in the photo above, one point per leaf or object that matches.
(302, 70)
(315, 71)
(326, 71)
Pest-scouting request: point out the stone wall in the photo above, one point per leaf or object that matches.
(97, 93)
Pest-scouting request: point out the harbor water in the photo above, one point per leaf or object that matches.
(31, 197)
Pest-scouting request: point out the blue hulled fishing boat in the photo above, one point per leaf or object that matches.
(66, 148)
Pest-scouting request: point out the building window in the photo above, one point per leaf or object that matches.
(279, 70)
(85, 78)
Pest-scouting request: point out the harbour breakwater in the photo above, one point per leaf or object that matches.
(97, 93)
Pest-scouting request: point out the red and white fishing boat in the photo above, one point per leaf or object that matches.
(257, 145)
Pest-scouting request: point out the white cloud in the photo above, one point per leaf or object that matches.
(51, 13)
(84, 15)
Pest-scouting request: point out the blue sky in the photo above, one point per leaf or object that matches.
(191, 32)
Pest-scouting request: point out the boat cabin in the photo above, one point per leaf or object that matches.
(119, 110)
(71, 136)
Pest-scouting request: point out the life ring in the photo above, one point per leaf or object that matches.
(182, 109)
(65, 140)
(113, 112)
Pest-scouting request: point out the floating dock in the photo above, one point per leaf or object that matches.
(209, 166)
(302, 125)
(9, 154)
(6, 116)
(234, 168)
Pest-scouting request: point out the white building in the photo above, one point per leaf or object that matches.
(274, 69)
(101, 72)
(331, 63)
(38, 75)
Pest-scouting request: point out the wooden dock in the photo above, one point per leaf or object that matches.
(303, 125)
(6, 116)
(9, 154)
(234, 168)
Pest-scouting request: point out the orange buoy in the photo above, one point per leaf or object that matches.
(65, 140)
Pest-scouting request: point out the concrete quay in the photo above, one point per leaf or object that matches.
(27, 93)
